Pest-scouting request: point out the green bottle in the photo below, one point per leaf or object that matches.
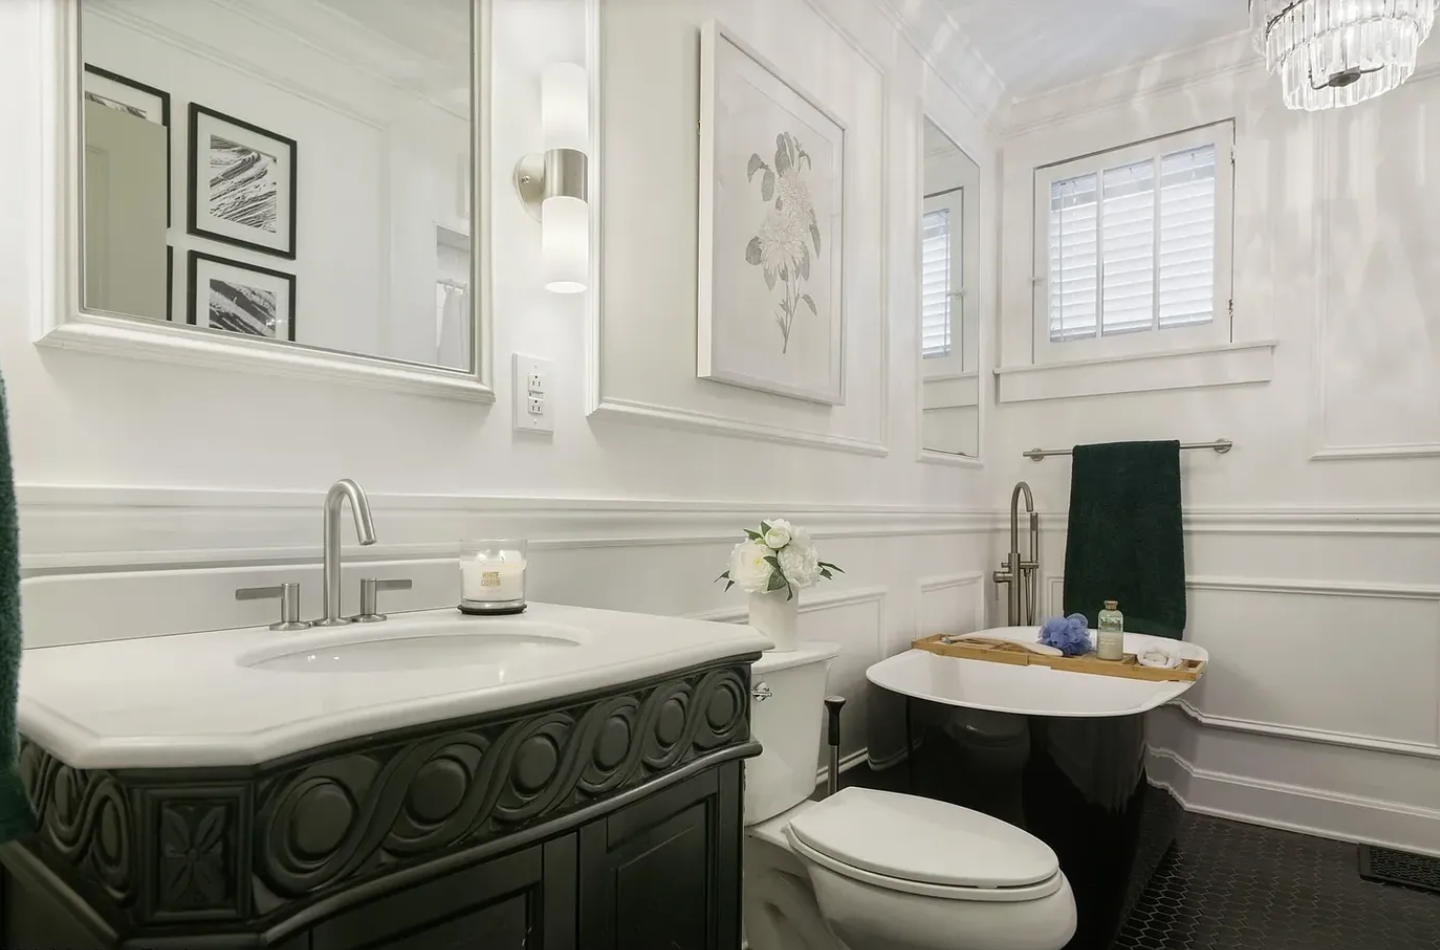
(1111, 644)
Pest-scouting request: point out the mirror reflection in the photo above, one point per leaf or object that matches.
(289, 170)
(950, 332)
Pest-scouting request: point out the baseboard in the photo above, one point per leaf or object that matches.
(1307, 810)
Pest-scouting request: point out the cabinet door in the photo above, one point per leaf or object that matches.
(664, 873)
(521, 901)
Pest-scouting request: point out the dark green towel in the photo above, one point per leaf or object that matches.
(1126, 540)
(16, 816)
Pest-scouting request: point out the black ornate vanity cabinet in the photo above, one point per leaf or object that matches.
(610, 821)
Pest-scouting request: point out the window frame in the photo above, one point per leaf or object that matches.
(1218, 331)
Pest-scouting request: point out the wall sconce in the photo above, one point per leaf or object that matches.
(553, 185)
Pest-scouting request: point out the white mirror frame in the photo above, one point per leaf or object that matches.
(64, 322)
(981, 295)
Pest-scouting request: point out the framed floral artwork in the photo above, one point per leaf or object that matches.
(772, 194)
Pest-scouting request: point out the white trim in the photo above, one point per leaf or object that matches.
(598, 404)
(928, 585)
(83, 529)
(1221, 137)
(1325, 133)
(62, 321)
(1229, 364)
(1305, 809)
(922, 23)
(1299, 733)
(974, 311)
(739, 428)
(1054, 594)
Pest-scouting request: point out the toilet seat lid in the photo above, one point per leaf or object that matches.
(921, 840)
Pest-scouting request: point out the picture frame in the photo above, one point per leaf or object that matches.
(114, 91)
(771, 307)
(235, 297)
(242, 183)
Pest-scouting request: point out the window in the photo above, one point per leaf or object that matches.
(942, 269)
(1133, 248)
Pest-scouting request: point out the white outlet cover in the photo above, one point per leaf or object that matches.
(524, 370)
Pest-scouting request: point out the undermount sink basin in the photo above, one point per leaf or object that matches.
(377, 650)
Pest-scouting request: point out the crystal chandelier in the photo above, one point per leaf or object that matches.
(1335, 53)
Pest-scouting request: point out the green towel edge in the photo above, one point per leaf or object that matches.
(17, 816)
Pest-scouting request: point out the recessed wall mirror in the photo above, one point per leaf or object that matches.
(949, 301)
(288, 171)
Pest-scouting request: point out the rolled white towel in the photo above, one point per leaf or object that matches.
(1159, 657)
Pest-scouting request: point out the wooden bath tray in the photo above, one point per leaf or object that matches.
(1018, 654)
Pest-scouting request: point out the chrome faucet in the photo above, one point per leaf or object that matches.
(1019, 574)
(364, 527)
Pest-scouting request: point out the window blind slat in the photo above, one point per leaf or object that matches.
(935, 284)
(1156, 223)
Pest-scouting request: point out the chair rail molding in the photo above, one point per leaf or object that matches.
(63, 322)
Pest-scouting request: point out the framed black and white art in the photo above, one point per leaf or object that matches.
(242, 183)
(114, 91)
(240, 298)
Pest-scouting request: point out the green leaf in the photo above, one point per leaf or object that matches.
(764, 528)
(773, 561)
(782, 154)
(770, 279)
(767, 185)
(754, 535)
(815, 236)
(756, 163)
(811, 301)
(825, 573)
(752, 251)
(789, 593)
(723, 577)
(729, 585)
(833, 567)
(777, 581)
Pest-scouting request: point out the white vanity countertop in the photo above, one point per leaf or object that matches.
(184, 700)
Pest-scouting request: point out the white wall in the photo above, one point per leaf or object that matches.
(1313, 548)
(149, 490)
(377, 166)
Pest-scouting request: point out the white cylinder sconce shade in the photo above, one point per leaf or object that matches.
(565, 244)
(565, 107)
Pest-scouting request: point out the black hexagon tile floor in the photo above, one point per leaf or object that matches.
(1230, 886)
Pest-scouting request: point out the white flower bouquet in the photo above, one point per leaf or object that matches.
(779, 556)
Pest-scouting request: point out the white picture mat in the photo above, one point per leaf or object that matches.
(207, 125)
(208, 270)
(744, 106)
(152, 105)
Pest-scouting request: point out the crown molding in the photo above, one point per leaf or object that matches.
(929, 28)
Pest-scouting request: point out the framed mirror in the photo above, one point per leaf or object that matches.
(284, 185)
(949, 300)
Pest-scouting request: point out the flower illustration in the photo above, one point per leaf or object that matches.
(783, 247)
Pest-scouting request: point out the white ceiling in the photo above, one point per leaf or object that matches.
(1034, 45)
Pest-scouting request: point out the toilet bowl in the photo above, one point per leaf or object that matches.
(871, 870)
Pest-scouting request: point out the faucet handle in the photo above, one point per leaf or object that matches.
(289, 597)
(370, 595)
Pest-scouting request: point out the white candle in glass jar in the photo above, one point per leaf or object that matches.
(486, 578)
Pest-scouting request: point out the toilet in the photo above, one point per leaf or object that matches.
(871, 870)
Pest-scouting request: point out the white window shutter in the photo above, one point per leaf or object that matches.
(1187, 238)
(935, 283)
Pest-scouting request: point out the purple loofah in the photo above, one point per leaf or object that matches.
(1070, 635)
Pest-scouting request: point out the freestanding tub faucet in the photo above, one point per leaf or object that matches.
(1021, 575)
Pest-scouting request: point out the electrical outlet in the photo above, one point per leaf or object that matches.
(534, 409)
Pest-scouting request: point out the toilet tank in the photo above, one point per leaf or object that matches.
(788, 725)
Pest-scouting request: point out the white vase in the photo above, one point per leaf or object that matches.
(776, 617)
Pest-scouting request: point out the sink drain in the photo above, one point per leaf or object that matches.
(1389, 866)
